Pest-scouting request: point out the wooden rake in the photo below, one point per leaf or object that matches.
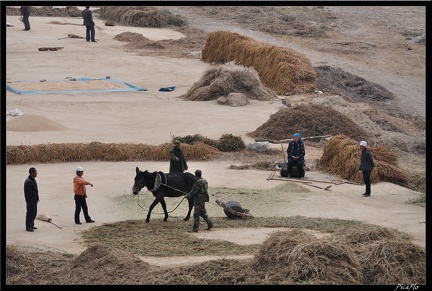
(45, 217)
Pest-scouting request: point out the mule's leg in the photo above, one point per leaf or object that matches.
(164, 209)
(190, 202)
(155, 202)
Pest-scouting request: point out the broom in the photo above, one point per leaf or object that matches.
(45, 217)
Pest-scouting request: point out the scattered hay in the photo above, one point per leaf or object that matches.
(281, 69)
(348, 85)
(286, 257)
(229, 78)
(283, 20)
(141, 16)
(214, 272)
(262, 165)
(367, 236)
(114, 266)
(47, 11)
(341, 156)
(308, 120)
(335, 80)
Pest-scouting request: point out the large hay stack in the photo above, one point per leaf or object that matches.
(281, 69)
(341, 156)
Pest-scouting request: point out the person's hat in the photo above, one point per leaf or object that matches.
(198, 172)
(363, 143)
(297, 134)
(176, 142)
(79, 169)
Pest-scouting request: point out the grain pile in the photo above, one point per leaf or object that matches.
(341, 156)
(281, 69)
(229, 78)
(32, 123)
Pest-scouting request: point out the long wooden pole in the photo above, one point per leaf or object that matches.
(283, 153)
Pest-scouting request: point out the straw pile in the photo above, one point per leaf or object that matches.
(341, 156)
(386, 255)
(229, 78)
(281, 69)
(366, 256)
(303, 258)
(226, 143)
(393, 261)
(141, 16)
(70, 152)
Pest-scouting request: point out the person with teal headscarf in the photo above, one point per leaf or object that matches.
(296, 153)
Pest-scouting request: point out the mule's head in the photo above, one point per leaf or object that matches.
(139, 181)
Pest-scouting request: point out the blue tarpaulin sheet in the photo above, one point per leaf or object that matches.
(123, 86)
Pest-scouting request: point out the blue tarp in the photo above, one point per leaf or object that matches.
(131, 87)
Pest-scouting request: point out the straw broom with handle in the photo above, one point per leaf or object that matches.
(45, 217)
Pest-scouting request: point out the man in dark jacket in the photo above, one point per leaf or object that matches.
(366, 166)
(89, 23)
(25, 13)
(177, 160)
(31, 195)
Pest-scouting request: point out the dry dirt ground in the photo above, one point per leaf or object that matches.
(153, 117)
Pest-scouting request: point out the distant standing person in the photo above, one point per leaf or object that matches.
(25, 13)
(81, 195)
(89, 23)
(296, 152)
(199, 194)
(366, 166)
(177, 160)
(31, 194)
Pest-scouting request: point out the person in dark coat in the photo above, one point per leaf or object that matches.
(296, 152)
(89, 23)
(177, 160)
(25, 13)
(31, 195)
(366, 166)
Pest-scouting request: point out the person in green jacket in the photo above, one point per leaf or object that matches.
(199, 194)
(177, 160)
